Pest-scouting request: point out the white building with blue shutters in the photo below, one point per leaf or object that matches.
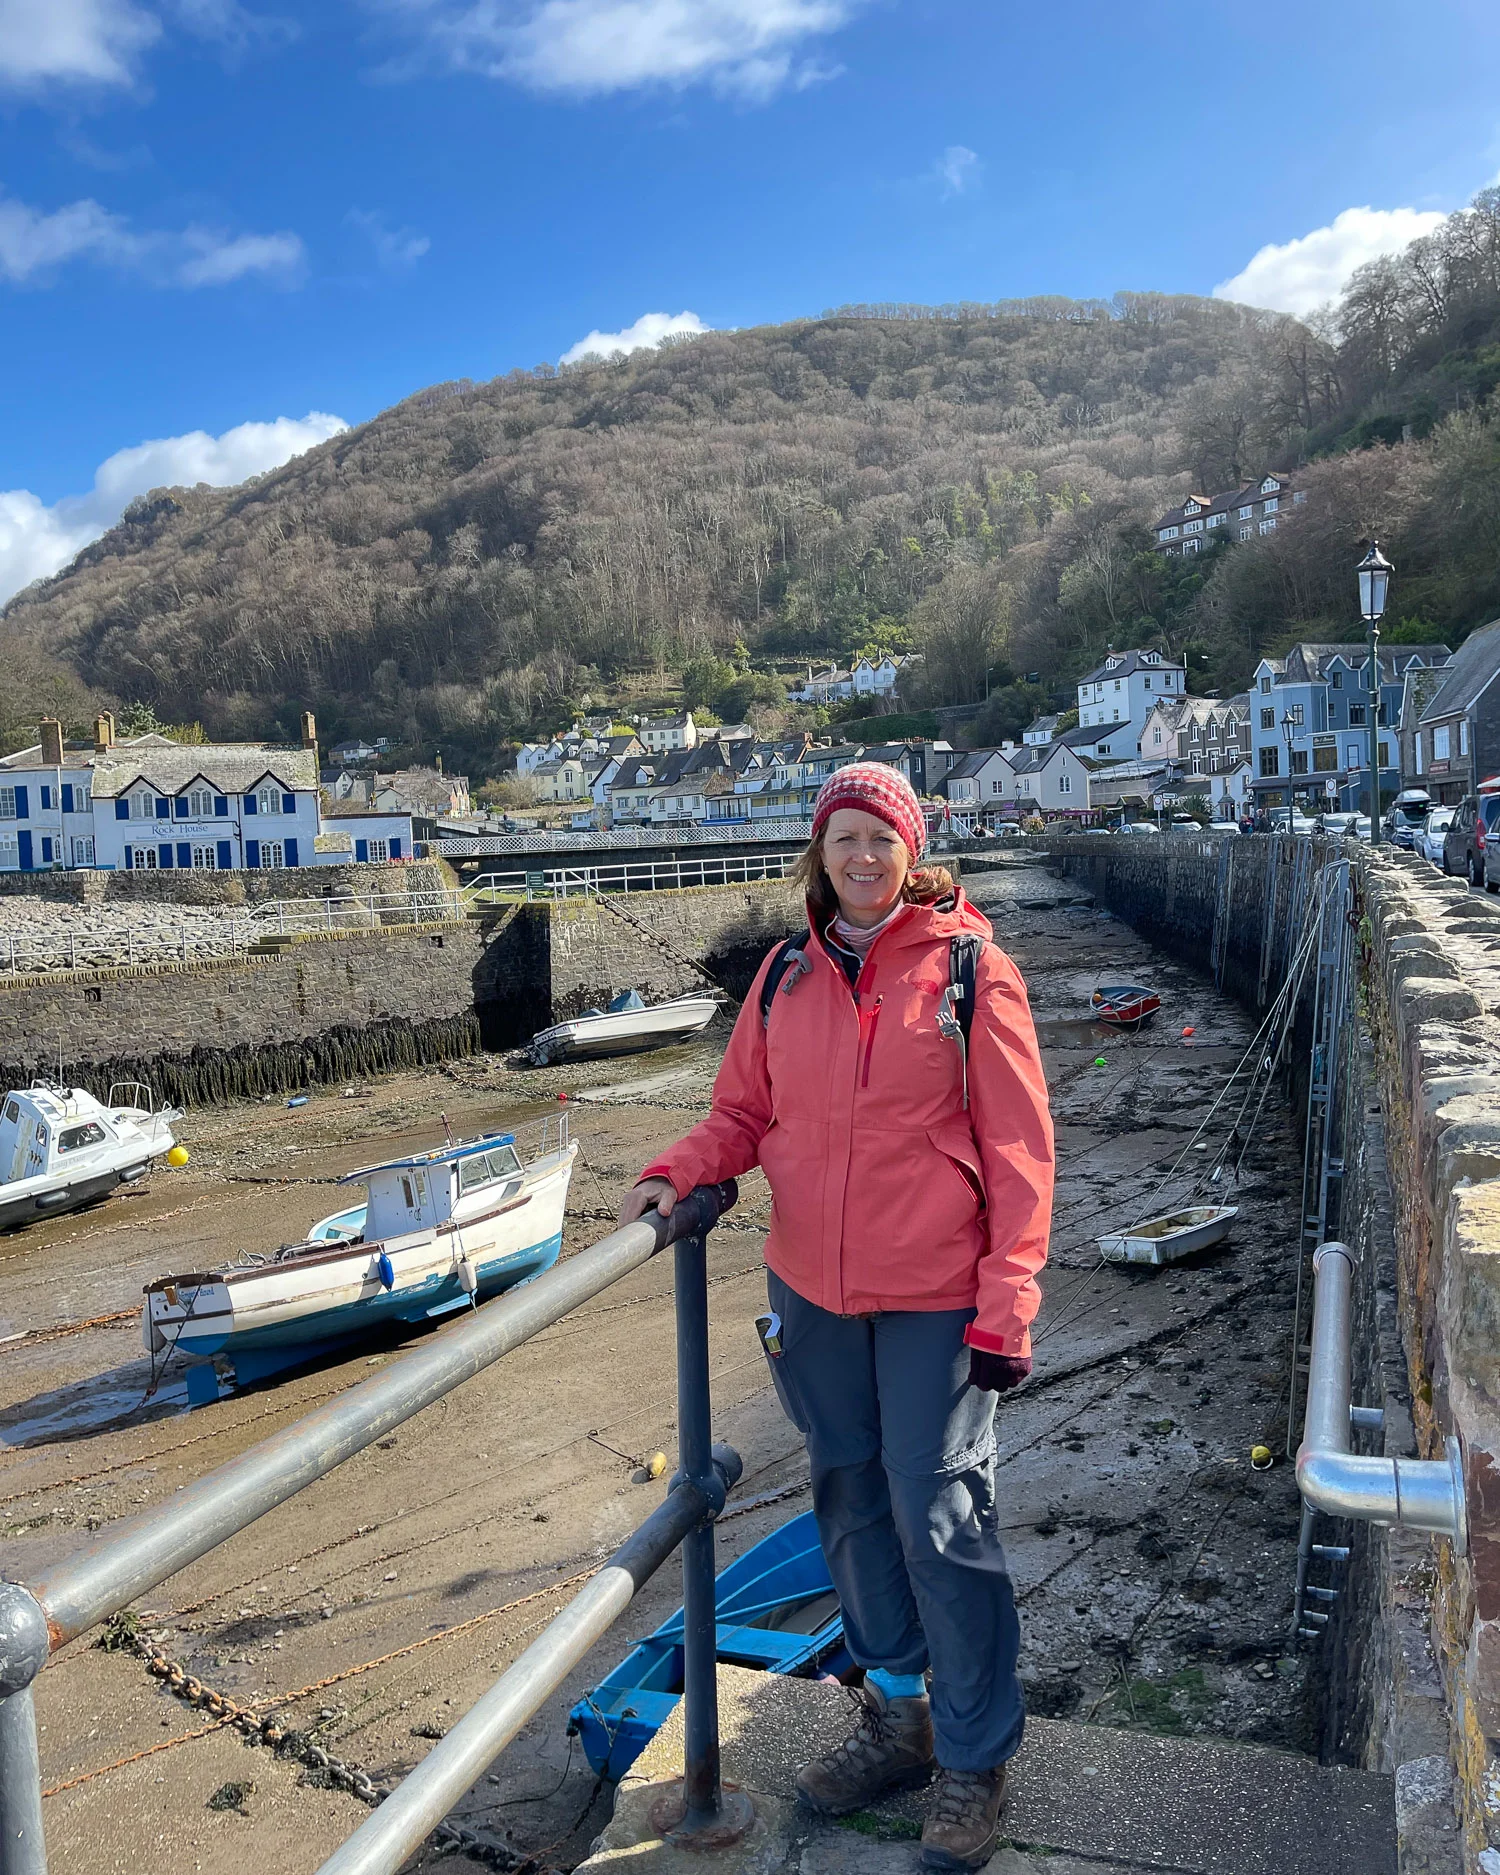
(149, 804)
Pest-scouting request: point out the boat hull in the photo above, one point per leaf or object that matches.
(1170, 1238)
(629, 1032)
(33, 1207)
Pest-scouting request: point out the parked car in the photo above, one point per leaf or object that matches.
(1341, 825)
(1407, 817)
(1137, 826)
(1291, 820)
(1467, 838)
(1429, 842)
(1221, 826)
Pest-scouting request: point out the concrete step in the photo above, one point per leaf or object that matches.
(1116, 1800)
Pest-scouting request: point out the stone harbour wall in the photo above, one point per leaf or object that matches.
(229, 889)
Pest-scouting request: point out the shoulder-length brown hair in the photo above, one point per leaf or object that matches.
(925, 885)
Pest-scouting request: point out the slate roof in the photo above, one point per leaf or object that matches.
(1127, 662)
(1224, 501)
(229, 767)
(1472, 667)
(1310, 663)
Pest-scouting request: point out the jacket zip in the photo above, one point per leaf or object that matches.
(864, 1079)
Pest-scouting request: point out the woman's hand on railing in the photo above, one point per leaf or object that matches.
(658, 1192)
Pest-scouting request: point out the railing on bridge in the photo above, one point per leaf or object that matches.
(553, 882)
(620, 839)
(75, 1594)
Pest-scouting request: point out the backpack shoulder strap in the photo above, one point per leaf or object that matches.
(781, 962)
(963, 964)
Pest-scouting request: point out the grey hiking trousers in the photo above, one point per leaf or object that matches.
(903, 1457)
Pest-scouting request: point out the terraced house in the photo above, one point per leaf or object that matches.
(1256, 507)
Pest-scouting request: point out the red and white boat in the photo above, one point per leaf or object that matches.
(1125, 1005)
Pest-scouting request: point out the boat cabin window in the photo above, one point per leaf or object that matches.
(12, 1112)
(71, 1138)
(487, 1168)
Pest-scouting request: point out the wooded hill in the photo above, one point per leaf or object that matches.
(973, 480)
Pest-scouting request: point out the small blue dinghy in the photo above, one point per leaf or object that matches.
(777, 1610)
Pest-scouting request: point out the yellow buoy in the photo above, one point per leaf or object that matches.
(1260, 1457)
(656, 1464)
(178, 1156)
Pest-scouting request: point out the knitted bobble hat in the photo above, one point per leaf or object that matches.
(877, 789)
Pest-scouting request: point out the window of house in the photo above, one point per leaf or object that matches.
(1385, 755)
(1353, 755)
(1146, 681)
(83, 849)
(1271, 506)
(205, 857)
(1268, 719)
(268, 800)
(1268, 526)
(272, 855)
(143, 805)
(1298, 762)
(1270, 485)
(1192, 527)
(7, 803)
(1294, 713)
(1417, 744)
(1156, 735)
(1270, 761)
(1356, 715)
(1065, 784)
(1299, 495)
(200, 804)
(1326, 760)
(1245, 533)
(1336, 680)
(142, 858)
(1463, 735)
(1215, 520)
(1197, 764)
(1247, 513)
(1191, 546)
(1441, 739)
(10, 852)
(1265, 686)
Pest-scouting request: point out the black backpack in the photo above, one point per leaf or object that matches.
(955, 1013)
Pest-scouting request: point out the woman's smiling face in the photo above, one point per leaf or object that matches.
(867, 863)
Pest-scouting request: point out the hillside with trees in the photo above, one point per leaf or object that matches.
(976, 482)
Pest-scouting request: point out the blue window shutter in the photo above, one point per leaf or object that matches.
(122, 809)
(67, 795)
(184, 856)
(163, 808)
(288, 803)
(22, 806)
(226, 856)
(250, 807)
(221, 807)
(164, 856)
(252, 853)
(46, 850)
(130, 859)
(361, 849)
(291, 852)
(46, 796)
(179, 807)
(395, 849)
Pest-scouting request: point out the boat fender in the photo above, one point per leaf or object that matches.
(468, 1276)
(386, 1271)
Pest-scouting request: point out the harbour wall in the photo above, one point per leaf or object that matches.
(333, 1006)
(231, 889)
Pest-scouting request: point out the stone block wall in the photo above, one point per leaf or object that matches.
(230, 889)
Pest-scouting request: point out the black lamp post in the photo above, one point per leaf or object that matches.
(1288, 730)
(1374, 578)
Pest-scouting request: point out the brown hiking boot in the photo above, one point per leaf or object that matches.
(890, 1748)
(964, 1823)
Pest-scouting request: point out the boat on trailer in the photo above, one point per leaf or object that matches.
(438, 1231)
(776, 1611)
(1125, 1005)
(626, 1027)
(60, 1148)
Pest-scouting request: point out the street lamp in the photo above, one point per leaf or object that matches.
(1374, 577)
(1288, 731)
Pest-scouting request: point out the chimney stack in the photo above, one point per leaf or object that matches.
(310, 734)
(51, 742)
(104, 732)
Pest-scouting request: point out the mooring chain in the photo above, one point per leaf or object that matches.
(288, 1742)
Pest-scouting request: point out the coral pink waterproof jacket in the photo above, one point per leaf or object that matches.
(887, 1194)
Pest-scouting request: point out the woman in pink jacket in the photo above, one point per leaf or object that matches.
(908, 1146)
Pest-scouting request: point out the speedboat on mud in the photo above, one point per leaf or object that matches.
(628, 1026)
(438, 1231)
(61, 1148)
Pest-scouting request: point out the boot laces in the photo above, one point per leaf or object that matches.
(872, 1728)
(960, 1794)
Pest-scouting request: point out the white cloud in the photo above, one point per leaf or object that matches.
(34, 244)
(395, 248)
(958, 169)
(36, 540)
(89, 42)
(1297, 276)
(590, 46)
(650, 329)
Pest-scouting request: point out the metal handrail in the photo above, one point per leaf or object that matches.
(1413, 1493)
(619, 839)
(554, 882)
(105, 1575)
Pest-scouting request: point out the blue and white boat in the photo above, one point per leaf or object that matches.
(776, 1610)
(439, 1231)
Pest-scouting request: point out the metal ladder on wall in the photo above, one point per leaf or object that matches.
(1322, 1183)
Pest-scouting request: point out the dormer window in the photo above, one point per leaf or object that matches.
(1190, 507)
(200, 804)
(143, 805)
(1270, 486)
(267, 800)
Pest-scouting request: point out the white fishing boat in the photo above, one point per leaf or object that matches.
(438, 1231)
(1166, 1239)
(626, 1027)
(61, 1148)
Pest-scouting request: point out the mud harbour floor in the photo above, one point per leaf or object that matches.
(1154, 1567)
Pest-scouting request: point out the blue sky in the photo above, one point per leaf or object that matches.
(225, 226)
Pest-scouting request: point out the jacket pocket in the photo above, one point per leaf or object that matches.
(956, 1144)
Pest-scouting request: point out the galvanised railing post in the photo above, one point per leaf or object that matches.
(700, 1810)
(24, 1644)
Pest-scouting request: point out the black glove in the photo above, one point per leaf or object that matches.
(997, 1373)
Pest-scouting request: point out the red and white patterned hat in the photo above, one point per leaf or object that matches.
(879, 790)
